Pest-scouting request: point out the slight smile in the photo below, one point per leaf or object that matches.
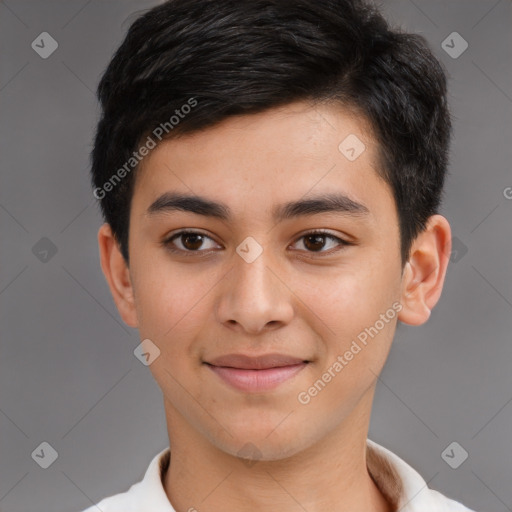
(256, 374)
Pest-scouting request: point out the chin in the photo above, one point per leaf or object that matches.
(262, 442)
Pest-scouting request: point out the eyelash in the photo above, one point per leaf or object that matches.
(167, 243)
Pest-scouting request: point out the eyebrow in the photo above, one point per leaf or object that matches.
(324, 203)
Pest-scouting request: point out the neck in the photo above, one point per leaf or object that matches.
(330, 474)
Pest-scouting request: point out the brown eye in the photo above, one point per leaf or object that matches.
(316, 241)
(192, 241)
(188, 241)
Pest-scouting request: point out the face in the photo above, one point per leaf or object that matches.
(319, 286)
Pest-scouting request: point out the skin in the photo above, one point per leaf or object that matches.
(296, 298)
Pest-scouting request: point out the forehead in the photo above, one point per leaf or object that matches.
(256, 163)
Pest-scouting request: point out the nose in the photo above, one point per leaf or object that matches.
(255, 296)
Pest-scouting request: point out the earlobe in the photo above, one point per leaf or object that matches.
(117, 275)
(425, 271)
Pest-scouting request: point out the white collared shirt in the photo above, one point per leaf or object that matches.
(403, 487)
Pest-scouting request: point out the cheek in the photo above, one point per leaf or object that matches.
(356, 342)
(345, 299)
(177, 312)
(168, 302)
(172, 312)
(350, 305)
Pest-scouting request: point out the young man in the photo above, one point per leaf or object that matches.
(270, 174)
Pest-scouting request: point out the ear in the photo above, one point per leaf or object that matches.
(117, 275)
(425, 271)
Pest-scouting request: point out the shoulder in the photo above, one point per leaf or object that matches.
(403, 486)
(128, 501)
(148, 495)
(445, 504)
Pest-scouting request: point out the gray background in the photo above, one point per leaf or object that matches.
(68, 375)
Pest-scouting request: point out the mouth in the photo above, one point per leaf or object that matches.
(256, 374)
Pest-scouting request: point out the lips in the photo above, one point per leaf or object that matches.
(255, 363)
(256, 374)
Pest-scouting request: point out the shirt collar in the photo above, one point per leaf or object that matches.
(402, 486)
